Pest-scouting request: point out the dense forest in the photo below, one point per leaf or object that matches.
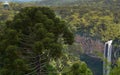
(62, 38)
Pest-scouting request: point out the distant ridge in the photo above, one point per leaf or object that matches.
(76, 2)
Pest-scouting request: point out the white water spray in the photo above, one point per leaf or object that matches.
(107, 57)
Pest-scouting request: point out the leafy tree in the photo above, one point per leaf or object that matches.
(79, 68)
(116, 69)
(31, 41)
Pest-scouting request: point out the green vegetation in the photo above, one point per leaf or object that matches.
(34, 41)
(79, 68)
(34, 30)
(94, 21)
(116, 69)
(97, 23)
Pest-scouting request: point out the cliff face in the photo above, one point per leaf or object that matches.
(89, 46)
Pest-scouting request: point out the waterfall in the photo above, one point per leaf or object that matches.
(107, 57)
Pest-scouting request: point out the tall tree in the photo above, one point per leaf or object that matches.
(32, 40)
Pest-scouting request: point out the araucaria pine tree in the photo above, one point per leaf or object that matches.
(31, 40)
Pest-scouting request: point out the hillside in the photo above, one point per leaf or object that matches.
(78, 2)
(92, 24)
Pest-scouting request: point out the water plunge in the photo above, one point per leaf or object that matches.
(107, 57)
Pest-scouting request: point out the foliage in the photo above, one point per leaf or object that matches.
(96, 23)
(34, 32)
(116, 69)
(31, 40)
(78, 68)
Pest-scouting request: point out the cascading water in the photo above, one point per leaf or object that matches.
(107, 57)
